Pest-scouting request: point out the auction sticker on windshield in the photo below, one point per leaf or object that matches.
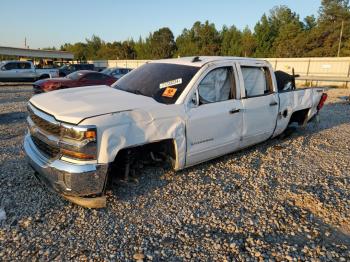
(171, 83)
(169, 92)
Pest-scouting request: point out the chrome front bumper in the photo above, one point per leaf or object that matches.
(64, 177)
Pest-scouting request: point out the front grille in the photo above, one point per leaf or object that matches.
(48, 150)
(45, 125)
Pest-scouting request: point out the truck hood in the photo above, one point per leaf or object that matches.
(75, 104)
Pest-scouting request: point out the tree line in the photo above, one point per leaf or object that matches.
(280, 33)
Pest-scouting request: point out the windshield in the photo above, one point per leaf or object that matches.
(75, 76)
(107, 71)
(64, 67)
(161, 81)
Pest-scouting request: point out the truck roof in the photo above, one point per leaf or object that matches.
(15, 61)
(199, 61)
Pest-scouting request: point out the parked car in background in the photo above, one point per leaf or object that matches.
(24, 71)
(70, 68)
(76, 79)
(116, 72)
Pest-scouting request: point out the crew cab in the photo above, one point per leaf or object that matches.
(24, 71)
(183, 111)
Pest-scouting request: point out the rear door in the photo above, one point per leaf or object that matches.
(214, 123)
(25, 70)
(260, 102)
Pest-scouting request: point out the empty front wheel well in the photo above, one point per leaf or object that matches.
(131, 159)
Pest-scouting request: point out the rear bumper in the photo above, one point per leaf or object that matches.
(64, 177)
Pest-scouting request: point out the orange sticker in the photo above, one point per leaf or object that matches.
(169, 92)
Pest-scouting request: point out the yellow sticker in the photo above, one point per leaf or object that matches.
(169, 92)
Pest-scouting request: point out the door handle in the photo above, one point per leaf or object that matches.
(273, 104)
(233, 111)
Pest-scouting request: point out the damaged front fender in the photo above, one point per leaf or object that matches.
(128, 129)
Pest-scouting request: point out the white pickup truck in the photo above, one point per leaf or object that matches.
(185, 110)
(24, 71)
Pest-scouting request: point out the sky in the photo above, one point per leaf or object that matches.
(47, 23)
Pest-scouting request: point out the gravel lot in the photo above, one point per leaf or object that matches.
(285, 199)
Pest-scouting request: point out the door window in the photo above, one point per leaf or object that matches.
(216, 86)
(11, 66)
(94, 76)
(124, 71)
(24, 65)
(257, 81)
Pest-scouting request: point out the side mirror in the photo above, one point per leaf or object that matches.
(3, 68)
(194, 101)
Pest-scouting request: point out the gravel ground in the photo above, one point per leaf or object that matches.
(285, 200)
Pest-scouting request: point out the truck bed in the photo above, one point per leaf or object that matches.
(293, 101)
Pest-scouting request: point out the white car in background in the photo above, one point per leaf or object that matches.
(182, 111)
(24, 71)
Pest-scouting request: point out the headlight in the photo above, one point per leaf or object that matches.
(78, 133)
(51, 86)
(78, 142)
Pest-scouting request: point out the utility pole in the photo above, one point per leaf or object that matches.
(341, 36)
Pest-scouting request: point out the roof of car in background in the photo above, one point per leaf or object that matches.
(117, 67)
(15, 61)
(85, 72)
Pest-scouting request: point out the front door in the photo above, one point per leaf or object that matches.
(9, 71)
(260, 104)
(214, 125)
(25, 71)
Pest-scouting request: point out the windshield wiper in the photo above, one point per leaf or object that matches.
(137, 92)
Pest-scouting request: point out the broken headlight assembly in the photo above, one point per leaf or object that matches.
(78, 142)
